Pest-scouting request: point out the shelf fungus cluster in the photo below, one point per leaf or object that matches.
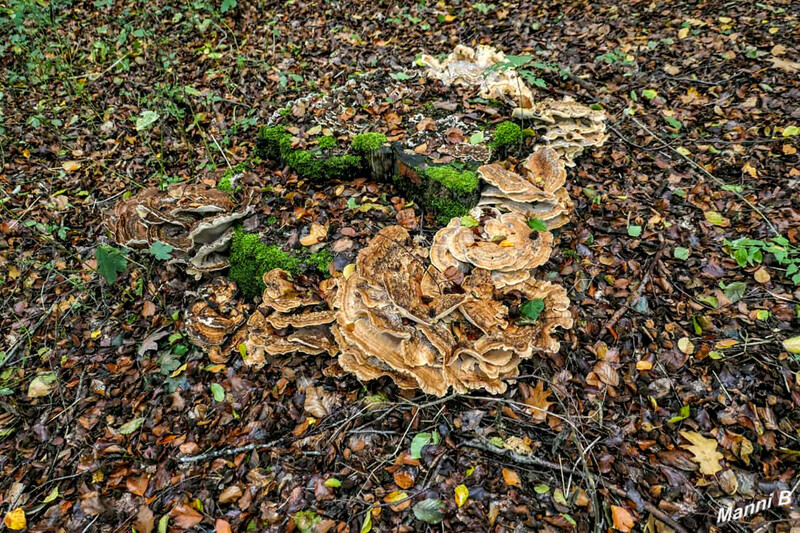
(566, 126)
(483, 67)
(215, 317)
(537, 191)
(426, 326)
(196, 220)
(291, 318)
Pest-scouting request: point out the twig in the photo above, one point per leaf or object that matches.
(609, 326)
(658, 513)
(229, 451)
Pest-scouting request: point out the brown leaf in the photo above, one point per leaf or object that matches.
(403, 479)
(220, 526)
(511, 478)
(537, 400)
(230, 494)
(137, 484)
(145, 521)
(185, 517)
(316, 234)
(623, 519)
(148, 309)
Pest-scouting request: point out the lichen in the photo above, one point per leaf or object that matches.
(457, 181)
(506, 134)
(366, 142)
(251, 258)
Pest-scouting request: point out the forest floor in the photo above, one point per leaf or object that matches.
(674, 395)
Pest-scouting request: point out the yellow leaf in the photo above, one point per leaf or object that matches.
(643, 365)
(704, 451)
(316, 234)
(15, 519)
(178, 371)
(96, 333)
(683, 33)
(761, 275)
(717, 219)
(461, 495)
(686, 346)
(792, 345)
(214, 368)
(747, 167)
(52, 496)
(725, 343)
(70, 166)
(348, 270)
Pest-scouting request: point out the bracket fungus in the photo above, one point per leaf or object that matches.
(566, 126)
(215, 316)
(196, 220)
(399, 316)
(473, 67)
(536, 192)
(291, 318)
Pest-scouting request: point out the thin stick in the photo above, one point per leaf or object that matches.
(229, 451)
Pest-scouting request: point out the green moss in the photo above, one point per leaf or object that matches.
(506, 134)
(328, 141)
(321, 260)
(459, 182)
(270, 141)
(339, 166)
(251, 258)
(366, 142)
(224, 184)
(445, 209)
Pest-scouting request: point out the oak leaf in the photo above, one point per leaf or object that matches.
(704, 451)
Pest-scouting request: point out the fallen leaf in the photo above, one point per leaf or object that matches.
(623, 519)
(145, 520)
(461, 495)
(704, 451)
(316, 234)
(71, 166)
(230, 494)
(15, 519)
(185, 517)
(222, 526)
(715, 218)
(792, 345)
(538, 402)
(42, 385)
(511, 478)
(761, 275)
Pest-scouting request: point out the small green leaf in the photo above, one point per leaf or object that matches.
(130, 427)
(52, 496)
(399, 76)
(537, 224)
(352, 203)
(715, 355)
(790, 131)
(468, 222)
(531, 309)
(161, 251)
(634, 231)
(682, 415)
(429, 511)
(675, 123)
(333, 483)
(649, 94)
(681, 253)
(541, 489)
(366, 526)
(710, 301)
(476, 138)
(421, 440)
(218, 392)
(110, 262)
(163, 523)
(734, 291)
